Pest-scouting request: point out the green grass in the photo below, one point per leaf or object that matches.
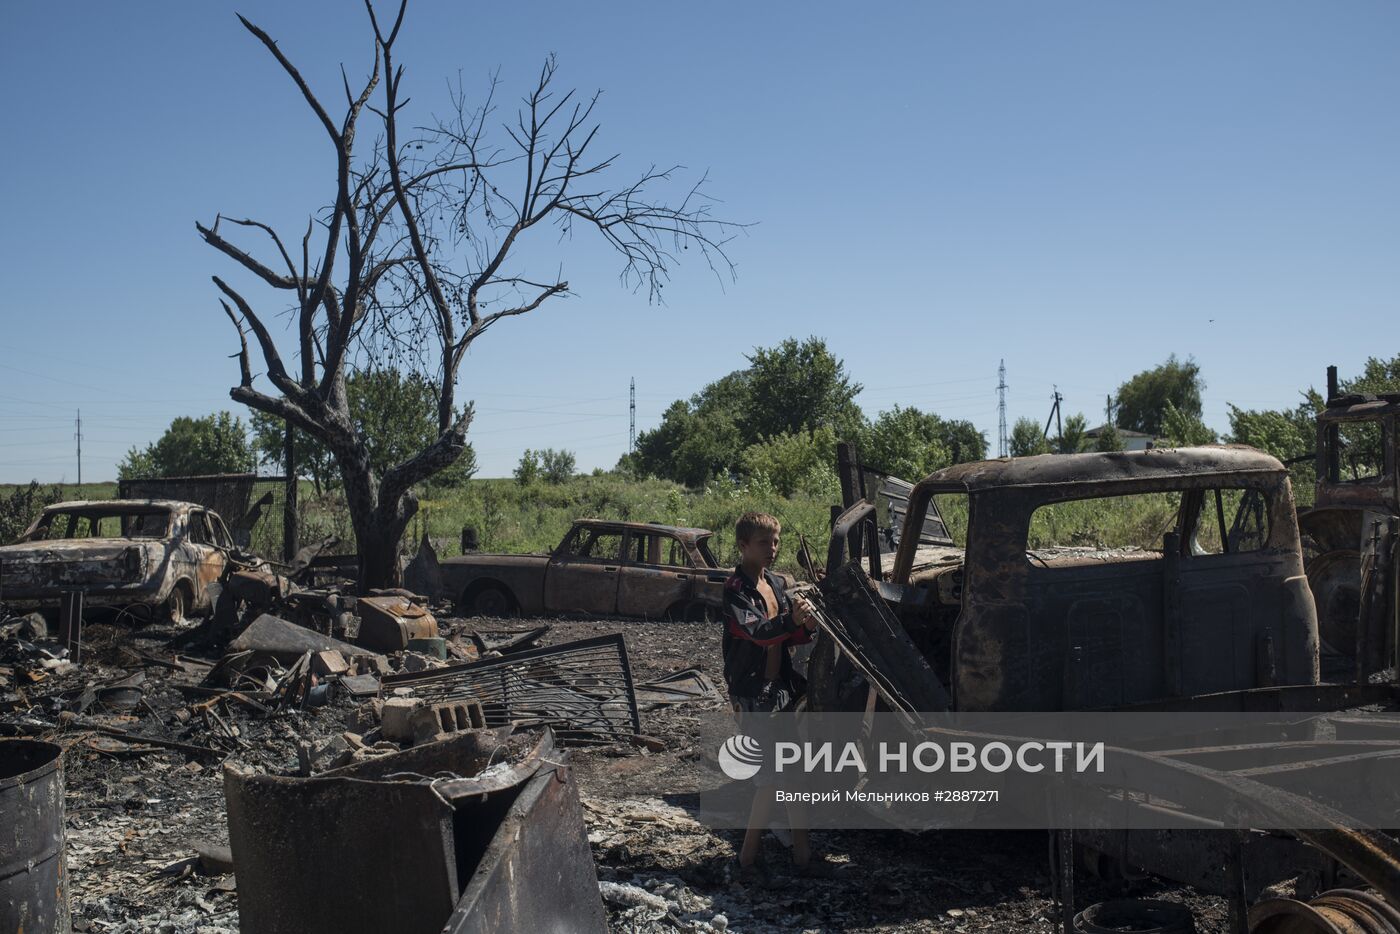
(70, 491)
(516, 519)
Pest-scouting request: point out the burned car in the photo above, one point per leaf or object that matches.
(1350, 534)
(147, 557)
(603, 567)
(1211, 598)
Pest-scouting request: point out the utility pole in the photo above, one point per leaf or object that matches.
(1055, 398)
(1003, 446)
(79, 436)
(632, 412)
(289, 498)
(1107, 411)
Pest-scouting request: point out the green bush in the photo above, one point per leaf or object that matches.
(22, 505)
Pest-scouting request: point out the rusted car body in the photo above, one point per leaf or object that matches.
(1350, 533)
(1015, 628)
(147, 556)
(603, 567)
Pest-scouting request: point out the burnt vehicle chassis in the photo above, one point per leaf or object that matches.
(991, 629)
(1351, 532)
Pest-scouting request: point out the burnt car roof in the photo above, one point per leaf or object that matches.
(171, 505)
(1104, 467)
(679, 531)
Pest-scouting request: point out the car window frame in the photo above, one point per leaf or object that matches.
(663, 539)
(569, 550)
(195, 525)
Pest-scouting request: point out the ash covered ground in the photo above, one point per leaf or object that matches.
(138, 816)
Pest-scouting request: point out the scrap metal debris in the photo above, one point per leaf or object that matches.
(583, 689)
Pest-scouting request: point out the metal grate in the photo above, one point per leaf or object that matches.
(583, 689)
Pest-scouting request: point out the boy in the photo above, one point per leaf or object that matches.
(760, 623)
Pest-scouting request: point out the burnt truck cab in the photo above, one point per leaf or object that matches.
(1212, 599)
(148, 557)
(1353, 524)
(600, 566)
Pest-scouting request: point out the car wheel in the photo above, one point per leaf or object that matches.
(491, 600)
(177, 605)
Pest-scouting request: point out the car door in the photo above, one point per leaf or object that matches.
(655, 575)
(1231, 593)
(582, 576)
(206, 558)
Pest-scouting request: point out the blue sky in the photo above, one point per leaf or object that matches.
(1080, 188)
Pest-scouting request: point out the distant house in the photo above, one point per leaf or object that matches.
(1132, 440)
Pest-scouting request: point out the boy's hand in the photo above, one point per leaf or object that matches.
(803, 614)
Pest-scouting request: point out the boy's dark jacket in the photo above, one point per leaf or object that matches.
(748, 632)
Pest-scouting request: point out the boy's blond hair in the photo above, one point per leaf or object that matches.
(751, 523)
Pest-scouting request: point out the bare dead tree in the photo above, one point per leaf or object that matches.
(416, 258)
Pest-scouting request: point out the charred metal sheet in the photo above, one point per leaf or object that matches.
(33, 875)
(1379, 612)
(537, 874)
(286, 642)
(860, 622)
(582, 689)
(678, 687)
(385, 845)
(508, 642)
(423, 574)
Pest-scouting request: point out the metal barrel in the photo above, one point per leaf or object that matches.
(33, 877)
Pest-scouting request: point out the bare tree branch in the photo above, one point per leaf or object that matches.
(247, 375)
(421, 251)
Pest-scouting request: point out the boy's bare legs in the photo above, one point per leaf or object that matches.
(762, 808)
(758, 822)
(801, 847)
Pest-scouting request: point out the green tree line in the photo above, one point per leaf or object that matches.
(779, 419)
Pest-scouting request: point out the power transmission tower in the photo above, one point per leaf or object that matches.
(632, 412)
(1003, 446)
(1055, 398)
(79, 436)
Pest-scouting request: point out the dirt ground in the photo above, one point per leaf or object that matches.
(136, 817)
